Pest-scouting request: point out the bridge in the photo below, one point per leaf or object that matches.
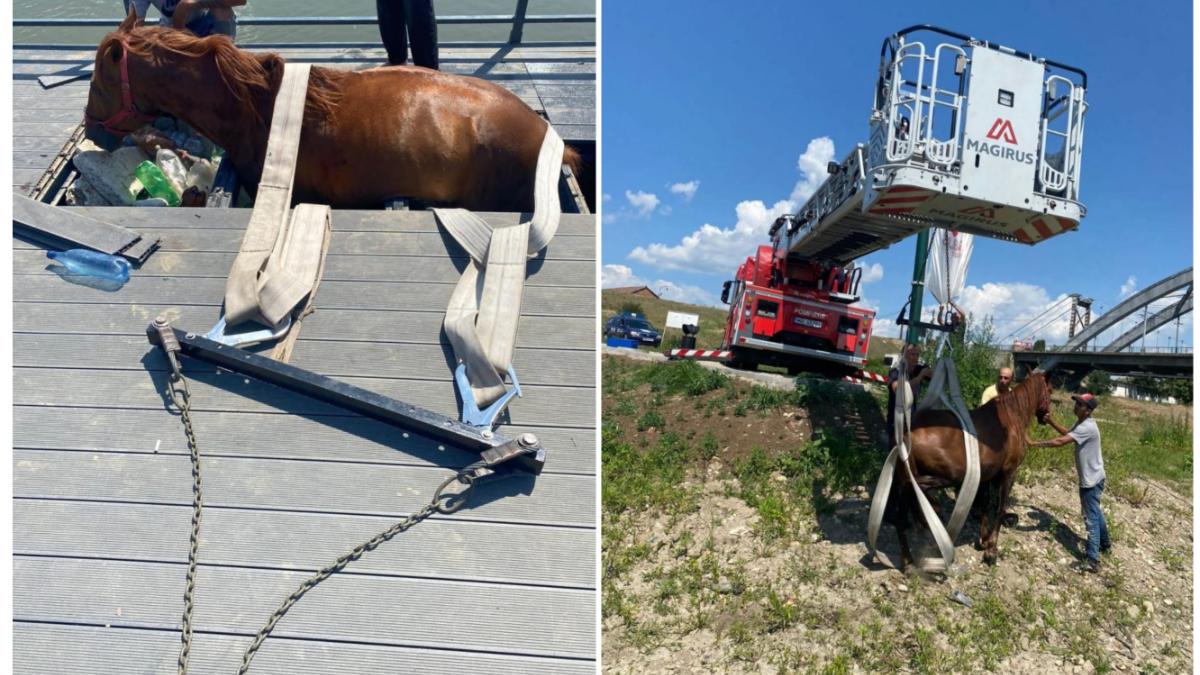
(1077, 360)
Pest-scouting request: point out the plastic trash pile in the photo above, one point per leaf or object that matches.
(163, 164)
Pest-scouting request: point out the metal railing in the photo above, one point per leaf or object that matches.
(518, 20)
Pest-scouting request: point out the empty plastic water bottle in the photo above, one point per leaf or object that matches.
(93, 264)
(156, 183)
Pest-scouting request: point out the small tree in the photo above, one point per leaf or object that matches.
(1039, 345)
(1099, 382)
(631, 307)
(974, 357)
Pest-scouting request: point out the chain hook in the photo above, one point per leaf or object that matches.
(455, 501)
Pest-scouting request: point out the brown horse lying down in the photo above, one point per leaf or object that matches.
(940, 461)
(367, 135)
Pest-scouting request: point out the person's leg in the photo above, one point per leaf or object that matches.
(1105, 542)
(1090, 499)
(392, 30)
(422, 31)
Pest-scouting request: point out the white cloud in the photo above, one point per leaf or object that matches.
(606, 197)
(812, 165)
(872, 272)
(643, 202)
(1012, 305)
(714, 250)
(617, 276)
(1128, 287)
(688, 189)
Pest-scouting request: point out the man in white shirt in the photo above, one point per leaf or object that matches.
(1089, 465)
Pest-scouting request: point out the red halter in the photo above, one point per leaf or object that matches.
(127, 108)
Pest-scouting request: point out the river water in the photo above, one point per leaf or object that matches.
(40, 9)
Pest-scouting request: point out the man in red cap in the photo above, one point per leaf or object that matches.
(1089, 464)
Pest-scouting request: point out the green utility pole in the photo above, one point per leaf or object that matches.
(918, 288)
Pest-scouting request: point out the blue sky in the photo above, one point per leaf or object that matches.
(710, 109)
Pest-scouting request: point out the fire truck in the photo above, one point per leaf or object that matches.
(795, 312)
(965, 134)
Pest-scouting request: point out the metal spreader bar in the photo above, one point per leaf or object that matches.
(525, 452)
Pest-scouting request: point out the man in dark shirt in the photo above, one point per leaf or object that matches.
(918, 374)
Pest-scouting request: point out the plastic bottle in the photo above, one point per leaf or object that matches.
(156, 183)
(201, 175)
(92, 263)
(172, 167)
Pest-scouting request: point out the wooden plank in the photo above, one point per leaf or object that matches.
(37, 159)
(335, 359)
(326, 324)
(389, 491)
(342, 220)
(438, 549)
(52, 649)
(443, 269)
(375, 610)
(162, 292)
(57, 226)
(54, 129)
(360, 243)
(543, 405)
(48, 145)
(342, 438)
(564, 115)
(38, 113)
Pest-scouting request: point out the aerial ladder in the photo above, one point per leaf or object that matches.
(965, 134)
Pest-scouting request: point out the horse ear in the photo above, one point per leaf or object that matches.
(273, 65)
(130, 21)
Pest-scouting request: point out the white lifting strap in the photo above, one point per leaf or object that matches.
(280, 258)
(485, 307)
(945, 377)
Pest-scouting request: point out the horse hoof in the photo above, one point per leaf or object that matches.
(1010, 520)
(989, 559)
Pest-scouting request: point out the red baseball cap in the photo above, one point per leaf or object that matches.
(1087, 399)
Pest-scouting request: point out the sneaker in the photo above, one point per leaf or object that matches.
(1087, 566)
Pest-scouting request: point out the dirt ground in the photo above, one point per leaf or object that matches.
(708, 593)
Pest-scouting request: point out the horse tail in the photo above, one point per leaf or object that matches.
(584, 172)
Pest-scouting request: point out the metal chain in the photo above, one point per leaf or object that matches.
(177, 390)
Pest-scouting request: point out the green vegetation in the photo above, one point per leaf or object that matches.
(781, 589)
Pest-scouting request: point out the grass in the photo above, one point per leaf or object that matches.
(1134, 445)
(665, 586)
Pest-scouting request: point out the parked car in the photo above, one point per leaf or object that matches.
(633, 327)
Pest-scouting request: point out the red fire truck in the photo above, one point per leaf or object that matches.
(789, 311)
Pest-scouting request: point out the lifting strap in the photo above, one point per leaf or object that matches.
(282, 253)
(945, 379)
(485, 306)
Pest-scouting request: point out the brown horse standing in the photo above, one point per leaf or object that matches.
(940, 460)
(367, 135)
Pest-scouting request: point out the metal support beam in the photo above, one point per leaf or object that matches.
(526, 452)
(918, 288)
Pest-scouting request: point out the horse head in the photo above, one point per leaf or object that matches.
(1042, 380)
(141, 73)
(111, 111)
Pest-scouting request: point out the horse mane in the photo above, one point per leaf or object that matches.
(249, 78)
(1015, 406)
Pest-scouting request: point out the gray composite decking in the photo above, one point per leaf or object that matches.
(101, 477)
(559, 81)
(102, 483)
